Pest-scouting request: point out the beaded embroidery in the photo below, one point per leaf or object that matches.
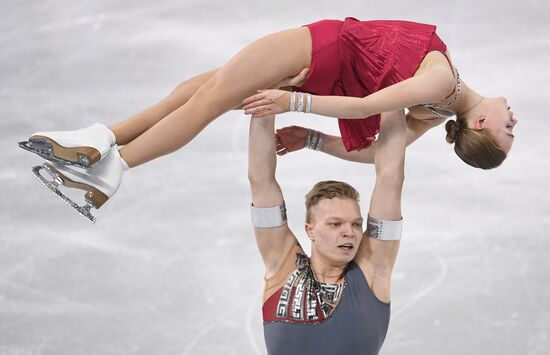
(433, 107)
(304, 299)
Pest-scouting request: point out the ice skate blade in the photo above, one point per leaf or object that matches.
(49, 149)
(94, 197)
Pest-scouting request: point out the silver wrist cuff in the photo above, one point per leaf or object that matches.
(300, 102)
(269, 217)
(320, 142)
(308, 138)
(382, 229)
(308, 103)
(314, 140)
(292, 101)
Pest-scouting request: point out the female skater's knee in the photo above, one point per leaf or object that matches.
(216, 97)
(186, 89)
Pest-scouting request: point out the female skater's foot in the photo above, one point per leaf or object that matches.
(83, 147)
(100, 182)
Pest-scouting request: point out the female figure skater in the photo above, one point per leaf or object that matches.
(357, 69)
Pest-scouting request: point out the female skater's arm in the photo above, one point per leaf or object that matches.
(273, 243)
(430, 87)
(292, 138)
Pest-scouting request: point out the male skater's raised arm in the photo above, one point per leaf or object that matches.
(274, 238)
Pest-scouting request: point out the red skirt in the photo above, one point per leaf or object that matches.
(357, 58)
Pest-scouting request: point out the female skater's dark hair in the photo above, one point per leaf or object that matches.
(476, 147)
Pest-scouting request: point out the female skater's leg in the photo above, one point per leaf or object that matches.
(129, 129)
(257, 66)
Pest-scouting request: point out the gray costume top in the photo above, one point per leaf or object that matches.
(307, 317)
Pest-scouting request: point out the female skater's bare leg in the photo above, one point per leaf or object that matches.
(129, 129)
(257, 66)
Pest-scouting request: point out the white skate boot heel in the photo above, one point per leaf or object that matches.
(100, 182)
(83, 147)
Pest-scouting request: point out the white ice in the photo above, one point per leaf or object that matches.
(171, 266)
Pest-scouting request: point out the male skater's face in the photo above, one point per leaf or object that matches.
(335, 230)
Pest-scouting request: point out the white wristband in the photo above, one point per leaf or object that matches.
(382, 229)
(269, 217)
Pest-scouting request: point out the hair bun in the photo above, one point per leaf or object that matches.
(452, 131)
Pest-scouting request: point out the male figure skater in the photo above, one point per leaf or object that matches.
(337, 300)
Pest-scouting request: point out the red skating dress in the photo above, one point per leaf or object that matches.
(356, 58)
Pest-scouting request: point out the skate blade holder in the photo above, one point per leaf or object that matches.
(54, 184)
(45, 149)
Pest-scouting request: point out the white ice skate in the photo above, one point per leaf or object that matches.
(83, 147)
(100, 182)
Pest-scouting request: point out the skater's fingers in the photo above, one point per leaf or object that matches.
(282, 151)
(252, 105)
(265, 101)
(267, 108)
(298, 79)
(285, 136)
(280, 142)
(254, 98)
(256, 104)
(255, 111)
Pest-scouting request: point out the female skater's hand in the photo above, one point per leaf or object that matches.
(267, 102)
(290, 139)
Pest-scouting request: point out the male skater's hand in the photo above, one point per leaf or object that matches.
(291, 81)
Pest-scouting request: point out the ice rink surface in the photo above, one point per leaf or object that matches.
(171, 267)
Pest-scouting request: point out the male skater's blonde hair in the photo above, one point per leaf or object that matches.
(328, 190)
